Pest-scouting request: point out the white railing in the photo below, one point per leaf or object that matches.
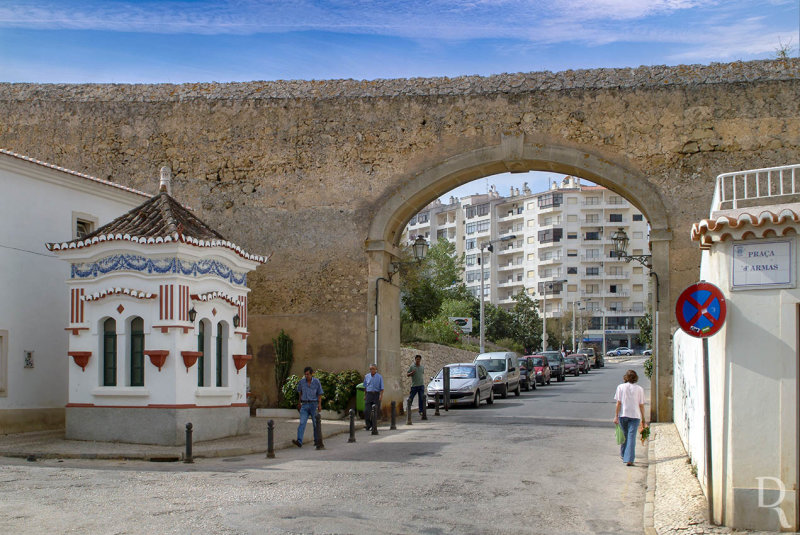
(755, 184)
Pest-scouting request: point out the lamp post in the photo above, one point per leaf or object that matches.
(420, 249)
(544, 310)
(574, 348)
(488, 245)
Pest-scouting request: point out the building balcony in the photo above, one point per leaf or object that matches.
(510, 217)
(585, 258)
(549, 261)
(588, 294)
(510, 284)
(510, 249)
(510, 266)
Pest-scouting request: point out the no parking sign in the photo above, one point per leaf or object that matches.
(701, 310)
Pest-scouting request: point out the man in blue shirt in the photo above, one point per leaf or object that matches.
(309, 401)
(373, 387)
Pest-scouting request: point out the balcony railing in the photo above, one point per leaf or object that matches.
(753, 185)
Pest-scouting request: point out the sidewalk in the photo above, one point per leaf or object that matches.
(53, 445)
(674, 501)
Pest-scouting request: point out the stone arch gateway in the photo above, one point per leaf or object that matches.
(321, 173)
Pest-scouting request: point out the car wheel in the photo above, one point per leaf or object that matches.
(517, 391)
(504, 393)
(477, 401)
(490, 401)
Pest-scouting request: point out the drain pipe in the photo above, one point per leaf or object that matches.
(375, 360)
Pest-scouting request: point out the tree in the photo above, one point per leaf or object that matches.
(645, 324)
(526, 323)
(499, 323)
(422, 300)
(425, 285)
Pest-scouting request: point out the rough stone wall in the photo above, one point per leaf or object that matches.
(300, 168)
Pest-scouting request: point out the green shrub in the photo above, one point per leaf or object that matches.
(511, 345)
(648, 367)
(338, 387)
(440, 331)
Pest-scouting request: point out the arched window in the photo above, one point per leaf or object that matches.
(137, 352)
(110, 352)
(201, 342)
(220, 352)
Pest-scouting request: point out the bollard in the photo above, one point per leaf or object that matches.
(393, 425)
(436, 404)
(425, 408)
(446, 385)
(318, 422)
(271, 439)
(408, 412)
(187, 458)
(352, 426)
(375, 419)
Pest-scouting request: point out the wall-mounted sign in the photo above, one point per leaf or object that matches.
(464, 323)
(763, 264)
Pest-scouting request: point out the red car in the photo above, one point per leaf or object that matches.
(542, 369)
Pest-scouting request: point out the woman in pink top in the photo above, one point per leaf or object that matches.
(629, 414)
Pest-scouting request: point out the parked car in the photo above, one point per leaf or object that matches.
(620, 351)
(571, 366)
(556, 361)
(503, 367)
(583, 362)
(468, 382)
(527, 373)
(647, 352)
(542, 368)
(589, 352)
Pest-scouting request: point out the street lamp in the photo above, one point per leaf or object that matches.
(620, 241)
(488, 245)
(544, 309)
(574, 348)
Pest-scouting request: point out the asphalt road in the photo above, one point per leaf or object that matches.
(544, 462)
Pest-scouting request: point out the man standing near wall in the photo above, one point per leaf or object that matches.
(417, 373)
(373, 387)
(309, 401)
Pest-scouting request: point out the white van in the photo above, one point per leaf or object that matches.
(503, 367)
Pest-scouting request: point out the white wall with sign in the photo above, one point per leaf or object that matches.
(761, 264)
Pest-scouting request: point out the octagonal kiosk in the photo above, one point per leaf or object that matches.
(158, 328)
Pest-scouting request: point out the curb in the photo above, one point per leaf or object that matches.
(138, 456)
(650, 492)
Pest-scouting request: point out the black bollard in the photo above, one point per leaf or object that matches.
(446, 386)
(436, 404)
(375, 419)
(393, 405)
(352, 426)
(187, 458)
(425, 408)
(319, 444)
(408, 412)
(271, 439)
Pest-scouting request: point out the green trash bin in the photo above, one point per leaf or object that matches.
(360, 394)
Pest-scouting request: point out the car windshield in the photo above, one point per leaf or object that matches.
(551, 354)
(538, 362)
(462, 372)
(570, 360)
(494, 365)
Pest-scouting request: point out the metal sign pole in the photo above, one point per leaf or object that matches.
(707, 423)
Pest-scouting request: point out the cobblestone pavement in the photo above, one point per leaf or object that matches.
(679, 507)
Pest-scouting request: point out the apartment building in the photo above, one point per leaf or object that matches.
(561, 253)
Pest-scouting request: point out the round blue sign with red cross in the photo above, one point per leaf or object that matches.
(701, 310)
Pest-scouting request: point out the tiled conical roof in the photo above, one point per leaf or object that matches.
(160, 219)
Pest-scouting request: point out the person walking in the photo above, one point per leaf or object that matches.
(309, 401)
(373, 395)
(417, 373)
(629, 414)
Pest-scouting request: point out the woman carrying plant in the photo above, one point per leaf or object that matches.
(629, 414)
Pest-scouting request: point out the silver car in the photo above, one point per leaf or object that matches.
(468, 382)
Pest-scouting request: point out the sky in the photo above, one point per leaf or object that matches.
(177, 41)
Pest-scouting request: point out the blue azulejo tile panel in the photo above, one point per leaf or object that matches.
(143, 264)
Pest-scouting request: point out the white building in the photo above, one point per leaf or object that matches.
(40, 203)
(749, 247)
(562, 244)
(158, 328)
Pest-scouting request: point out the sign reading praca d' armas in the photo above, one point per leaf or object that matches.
(759, 265)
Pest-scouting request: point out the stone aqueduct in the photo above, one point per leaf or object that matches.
(326, 174)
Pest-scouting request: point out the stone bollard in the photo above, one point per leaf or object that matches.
(352, 426)
(271, 439)
(436, 404)
(408, 412)
(318, 423)
(187, 458)
(425, 408)
(374, 419)
(393, 405)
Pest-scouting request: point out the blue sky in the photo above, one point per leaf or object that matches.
(176, 41)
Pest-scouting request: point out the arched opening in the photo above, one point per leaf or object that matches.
(513, 154)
